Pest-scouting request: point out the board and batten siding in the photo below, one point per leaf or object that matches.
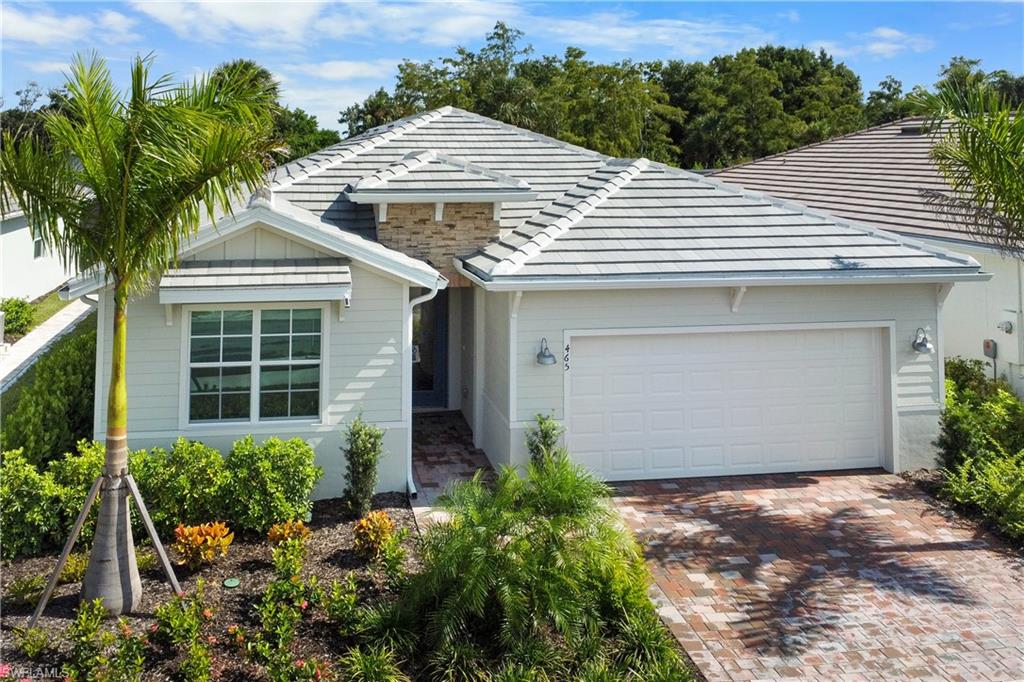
(364, 375)
(495, 391)
(917, 392)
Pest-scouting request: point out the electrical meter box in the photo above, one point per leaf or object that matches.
(989, 347)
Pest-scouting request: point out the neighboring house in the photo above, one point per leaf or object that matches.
(876, 176)
(27, 268)
(674, 325)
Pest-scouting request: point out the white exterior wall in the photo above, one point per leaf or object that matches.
(22, 275)
(495, 398)
(973, 310)
(466, 353)
(538, 389)
(364, 374)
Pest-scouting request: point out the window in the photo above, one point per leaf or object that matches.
(38, 250)
(275, 351)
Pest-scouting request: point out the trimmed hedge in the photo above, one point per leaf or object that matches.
(54, 410)
(251, 489)
(18, 316)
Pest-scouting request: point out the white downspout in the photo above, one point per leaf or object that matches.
(439, 284)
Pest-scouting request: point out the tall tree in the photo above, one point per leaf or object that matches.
(300, 132)
(887, 103)
(129, 177)
(26, 118)
(980, 150)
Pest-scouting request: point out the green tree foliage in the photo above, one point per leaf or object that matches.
(758, 102)
(618, 109)
(299, 131)
(887, 103)
(26, 118)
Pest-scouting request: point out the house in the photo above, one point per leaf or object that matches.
(876, 176)
(675, 325)
(27, 268)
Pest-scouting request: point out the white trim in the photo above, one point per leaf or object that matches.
(737, 298)
(382, 212)
(438, 211)
(889, 373)
(496, 215)
(513, 349)
(254, 390)
(241, 429)
(784, 279)
(292, 294)
(479, 364)
(407, 374)
(395, 196)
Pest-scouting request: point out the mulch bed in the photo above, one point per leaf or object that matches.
(330, 555)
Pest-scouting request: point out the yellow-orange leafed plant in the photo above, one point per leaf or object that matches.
(202, 544)
(372, 532)
(289, 530)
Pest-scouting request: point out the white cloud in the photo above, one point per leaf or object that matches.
(324, 103)
(344, 70)
(42, 28)
(440, 24)
(46, 67)
(282, 24)
(622, 32)
(791, 16)
(881, 42)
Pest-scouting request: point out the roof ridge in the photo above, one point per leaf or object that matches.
(394, 129)
(418, 158)
(514, 261)
(535, 135)
(809, 145)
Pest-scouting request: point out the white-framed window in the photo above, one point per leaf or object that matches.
(38, 249)
(254, 364)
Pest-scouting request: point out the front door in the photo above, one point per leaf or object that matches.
(430, 352)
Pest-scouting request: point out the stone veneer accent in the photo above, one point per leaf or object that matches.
(463, 228)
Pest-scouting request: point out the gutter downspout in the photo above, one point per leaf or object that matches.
(440, 283)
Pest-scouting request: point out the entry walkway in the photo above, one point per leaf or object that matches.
(25, 351)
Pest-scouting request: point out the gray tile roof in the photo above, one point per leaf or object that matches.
(429, 172)
(874, 176)
(258, 273)
(596, 216)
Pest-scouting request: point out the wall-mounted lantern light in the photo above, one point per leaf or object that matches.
(922, 344)
(545, 357)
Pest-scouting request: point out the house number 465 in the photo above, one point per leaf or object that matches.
(566, 358)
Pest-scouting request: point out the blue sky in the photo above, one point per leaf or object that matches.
(329, 55)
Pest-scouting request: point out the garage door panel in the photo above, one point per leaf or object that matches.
(664, 405)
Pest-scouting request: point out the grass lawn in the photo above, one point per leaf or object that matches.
(9, 398)
(46, 307)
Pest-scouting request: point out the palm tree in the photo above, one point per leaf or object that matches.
(979, 149)
(127, 178)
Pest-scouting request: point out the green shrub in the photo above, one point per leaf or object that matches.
(129, 655)
(269, 483)
(54, 409)
(544, 438)
(75, 473)
(370, 664)
(181, 620)
(197, 663)
(364, 445)
(33, 642)
(26, 590)
(994, 486)
(87, 646)
(288, 557)
(74, 568)
(30, 508)
(18, 316)
(183, 486)
(528, 571)
(341, 605)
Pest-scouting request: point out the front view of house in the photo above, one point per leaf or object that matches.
(675, 325)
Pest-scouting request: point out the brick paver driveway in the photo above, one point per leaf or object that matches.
(843, 576)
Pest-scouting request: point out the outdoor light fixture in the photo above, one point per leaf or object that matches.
(545, 357)
(922, 344)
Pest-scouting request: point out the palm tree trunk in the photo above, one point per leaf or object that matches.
(112, 574)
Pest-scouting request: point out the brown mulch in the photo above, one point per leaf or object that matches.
(330, 556)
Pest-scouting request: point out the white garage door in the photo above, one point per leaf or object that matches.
(703, 404)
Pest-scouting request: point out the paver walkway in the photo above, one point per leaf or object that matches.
(442, 453)
(20, 355)
(843, 576)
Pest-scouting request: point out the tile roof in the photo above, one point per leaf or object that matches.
(875, 176)
(429, 172)
(596, 216)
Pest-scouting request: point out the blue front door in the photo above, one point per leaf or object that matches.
(430, 352)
